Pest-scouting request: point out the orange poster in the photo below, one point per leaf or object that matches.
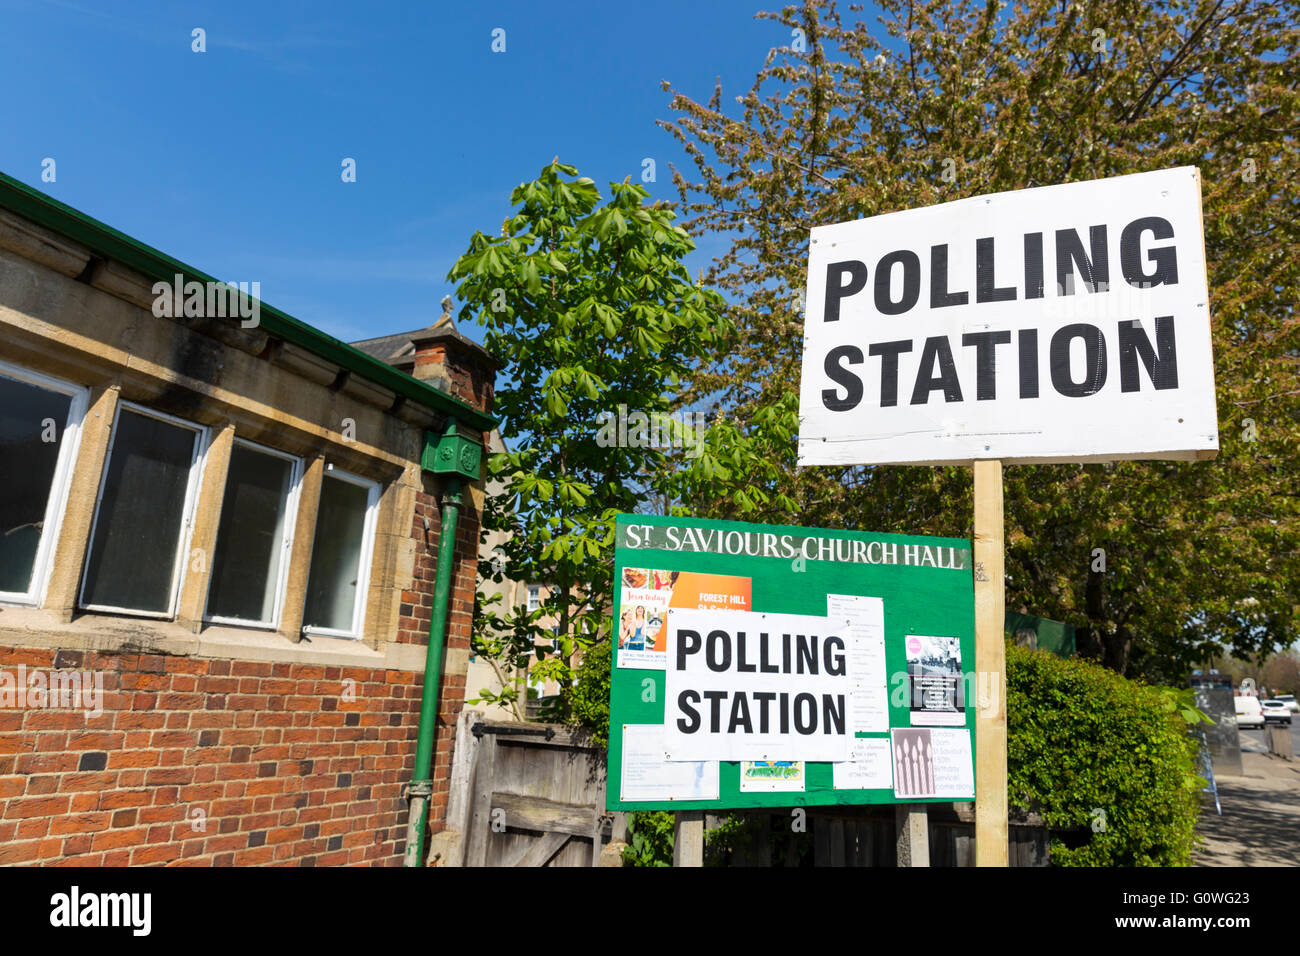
(710, 591)
(645, 596)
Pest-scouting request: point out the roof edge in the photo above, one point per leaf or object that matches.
(24, 200)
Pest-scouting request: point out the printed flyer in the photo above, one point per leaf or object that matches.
(864, 620)
(647, 594)
(933, 763)
(771, 776)
(647, 776)
(868, 766)
(934, 680)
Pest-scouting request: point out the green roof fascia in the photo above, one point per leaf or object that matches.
(106, 241)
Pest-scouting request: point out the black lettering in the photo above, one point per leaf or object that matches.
(715, 699)
(764, 665)
(764, 698)
(986, 344)
(832, 716)
(740, 715)
(785, 654)
(691, 723)
(842, 377)
(1028, 363)
(1094, 270)
(807, 651)
(836, 289)
(785, 713)
(889, 352)
(985, 290)
(1164, 258)
(1094, 374)
(939, 294)
(1033, 265)
(688, 642)
(718, 639)
(936, 351)
(808, 726)
(832, 662)
(741, 666)
(1134, 344)
(911, 282)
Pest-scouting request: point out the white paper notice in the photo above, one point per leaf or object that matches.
(935, 683)
(757, 686)
(648, 776)
(953, 774)
(865, 617)
(869, 769)
(932, 762)
(857, 609)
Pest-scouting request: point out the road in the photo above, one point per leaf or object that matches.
(1256, 737)
(1260, 825)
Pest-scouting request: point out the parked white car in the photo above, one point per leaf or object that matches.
(1275, 711)
(1249, 712)
(1290, 701)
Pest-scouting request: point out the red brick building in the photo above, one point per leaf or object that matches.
(218, 553)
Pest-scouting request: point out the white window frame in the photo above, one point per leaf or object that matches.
(198, 460)
(60, 484)
(534, 601)
(367, 556)
(286, 553)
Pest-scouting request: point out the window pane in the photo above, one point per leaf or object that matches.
(336, 555)
(137, 533)
(32, 420)
(250, 537)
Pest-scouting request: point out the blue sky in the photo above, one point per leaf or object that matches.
(230, 160)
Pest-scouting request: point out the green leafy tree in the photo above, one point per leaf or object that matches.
(590, 306)
(1156, 564)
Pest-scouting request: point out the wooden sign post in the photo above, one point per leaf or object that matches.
(990, 669)
(1041, 326)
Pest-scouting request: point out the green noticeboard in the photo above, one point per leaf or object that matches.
(832, 667)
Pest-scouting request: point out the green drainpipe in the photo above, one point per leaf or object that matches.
(455, 457)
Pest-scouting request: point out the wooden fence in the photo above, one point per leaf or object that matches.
(868, 836)
(529, 794)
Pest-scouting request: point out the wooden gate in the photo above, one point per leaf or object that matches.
(528, 794)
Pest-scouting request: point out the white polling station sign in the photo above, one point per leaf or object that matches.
(742, 685)
(1057, 324)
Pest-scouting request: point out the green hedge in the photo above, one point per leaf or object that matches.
(1083, 741)
(589, 695)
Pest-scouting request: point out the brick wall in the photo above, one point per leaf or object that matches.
(228, 762)
(461, 371)
(214, 762)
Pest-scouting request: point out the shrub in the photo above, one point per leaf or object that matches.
(1082, 742)
(650, 839)
(589, 695)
